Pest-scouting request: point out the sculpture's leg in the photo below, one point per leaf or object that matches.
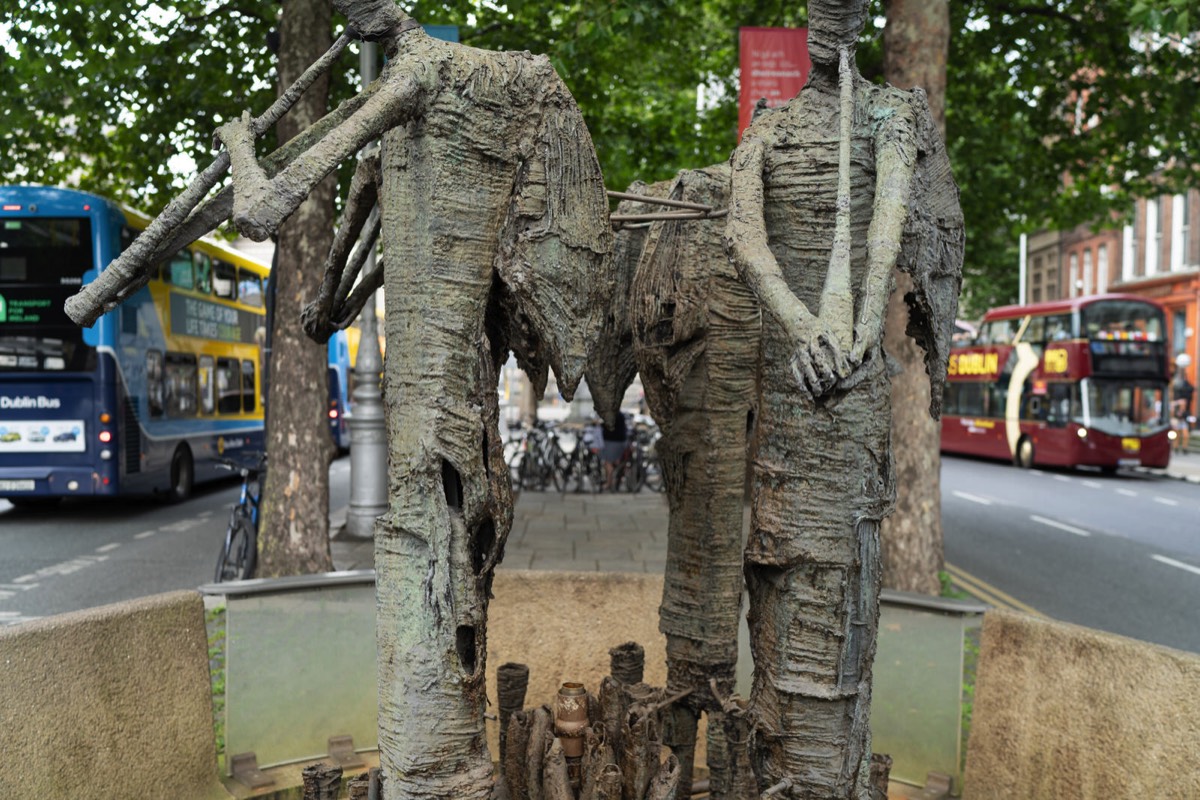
(359, 213)
(696, 328)
(450, 505)
(822, 482)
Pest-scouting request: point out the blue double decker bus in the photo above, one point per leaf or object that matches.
(155, 391)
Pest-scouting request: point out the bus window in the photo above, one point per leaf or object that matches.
(1058, 328)
(181, 271)
(1035, 331)
(203, 273)
(250, 288)
(229, 389)
(1062, 405)
(224, 280)
(999, 331)
(180, 374)
(207, 401)
(967, 400)
(995, 400)
(128, 234)
(247, 386)
(154, 382)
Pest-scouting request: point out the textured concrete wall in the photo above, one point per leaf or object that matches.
(112, 702)
(1066, 712)
(562, 625)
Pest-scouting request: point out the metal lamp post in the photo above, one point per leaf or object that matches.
(368, 435)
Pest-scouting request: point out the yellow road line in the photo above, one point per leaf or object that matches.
(984, 591)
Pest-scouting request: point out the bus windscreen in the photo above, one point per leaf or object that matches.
(42, 261)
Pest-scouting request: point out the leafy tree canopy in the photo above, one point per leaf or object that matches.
(114, 95)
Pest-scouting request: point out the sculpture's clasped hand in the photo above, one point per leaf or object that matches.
(818, 362)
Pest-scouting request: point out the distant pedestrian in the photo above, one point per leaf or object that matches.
(1181, 409)
(615, 439)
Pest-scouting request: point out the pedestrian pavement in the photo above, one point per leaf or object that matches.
(621, 532)
(579, 532)
(1184, 467)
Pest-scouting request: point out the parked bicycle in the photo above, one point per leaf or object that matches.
(638, 465)
(239, 551)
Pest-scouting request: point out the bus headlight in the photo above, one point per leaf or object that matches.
(1172, 435)
(105, 455)
(1082, 432)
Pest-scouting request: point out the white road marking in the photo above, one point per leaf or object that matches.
(983, 501)
(1062, 478)
(1179, 564)
(1061, 526)
(181, 526)
(108, 548)
(1166, 501)
(1093, 484)
(1127, 492)
(65, 568)
(18, 587)
(144, 534)
(206, 513)
(14, 618)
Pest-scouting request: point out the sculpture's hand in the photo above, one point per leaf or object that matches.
(818, 362)
(867, 335)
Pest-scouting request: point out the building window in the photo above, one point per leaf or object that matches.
(1185, 226)
(1073, 275)
(1153, 236)
(1178, 233)
(1128, 250)
(1087, 272)
(1037, 295)
(1178, 333)
(1102, 268)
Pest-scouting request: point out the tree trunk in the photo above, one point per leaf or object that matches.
(916, 43)
(294, 530)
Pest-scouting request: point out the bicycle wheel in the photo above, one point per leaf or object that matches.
(239, 551)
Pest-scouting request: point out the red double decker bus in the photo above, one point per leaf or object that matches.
(1079, 382)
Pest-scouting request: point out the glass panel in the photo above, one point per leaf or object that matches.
(916, 705)
(42, 262)
(224, 281)
(229, 389)
(154, 383)
(203, 273)
(1123, 320)
(1125, 409)
(207, 385)
(247, 386)
(180, 374)
(250, 288)
(181, 271)
(326, 637)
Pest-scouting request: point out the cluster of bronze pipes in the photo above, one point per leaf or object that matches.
(601, 746)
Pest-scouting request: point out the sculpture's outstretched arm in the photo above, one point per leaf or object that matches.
(818, 361)
(261, 204)
(895, 160)
(361, 211)
(130, 271)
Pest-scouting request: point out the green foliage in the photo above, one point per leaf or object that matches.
(1041, 91)
(107, 92)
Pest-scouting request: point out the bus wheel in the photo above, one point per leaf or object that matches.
(183, 475)
(1025, 453)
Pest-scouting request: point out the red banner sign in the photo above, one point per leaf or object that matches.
(774, 64)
